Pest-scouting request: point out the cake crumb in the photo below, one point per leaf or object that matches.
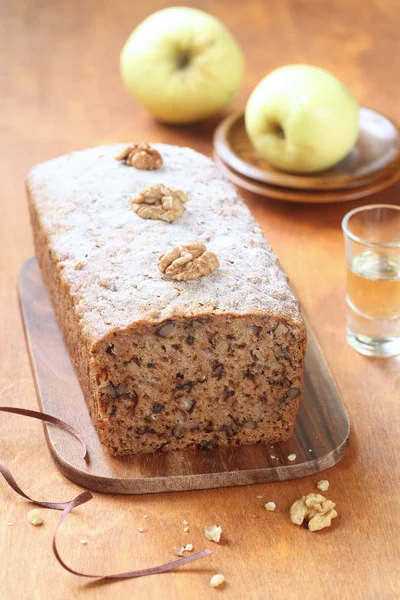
(186, 529)
(144, 516)
(270, 506)
(292, 457)
(323, 485)
(255, 516)
(83, 542)
(189, 547)
(216, 580)
(9, 524)
(185, 522)
(213, 532)
(35, 517)
(272, 456)
(259, 497)
(142, 530)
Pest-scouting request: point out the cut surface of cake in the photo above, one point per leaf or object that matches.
(165, 363)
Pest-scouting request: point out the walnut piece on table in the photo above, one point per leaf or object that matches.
(217, 580)
(323, 485)
(159, 202)
(315, 509)
(141, 156)
(182, 549)
(35, 517)
(213, 532)
(191, 261)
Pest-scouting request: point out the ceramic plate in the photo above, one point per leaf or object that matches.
(376, 156)
(309, 197)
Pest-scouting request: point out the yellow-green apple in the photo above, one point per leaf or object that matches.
(302, 119)
(182, 64)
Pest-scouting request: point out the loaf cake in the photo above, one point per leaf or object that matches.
(167, 358)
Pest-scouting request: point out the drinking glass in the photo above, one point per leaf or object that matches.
(372, 238)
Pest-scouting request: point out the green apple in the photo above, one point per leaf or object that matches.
(182, 64)
(302, 119)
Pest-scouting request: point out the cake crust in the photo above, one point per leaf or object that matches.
(99, 261)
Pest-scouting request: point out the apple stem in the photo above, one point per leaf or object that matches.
(279, 132)
(183, 60)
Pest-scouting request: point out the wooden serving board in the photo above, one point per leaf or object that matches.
(319, 441)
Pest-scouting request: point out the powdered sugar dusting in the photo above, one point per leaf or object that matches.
(108, 254)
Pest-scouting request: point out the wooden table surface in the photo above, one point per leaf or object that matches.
(61, 91)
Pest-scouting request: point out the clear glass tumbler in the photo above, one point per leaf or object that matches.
(372, 238)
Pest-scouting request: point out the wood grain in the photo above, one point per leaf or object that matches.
(60, 92)
(374, 157)
(319, 440)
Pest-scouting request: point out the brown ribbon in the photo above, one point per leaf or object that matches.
(25, 412)
(84, 497)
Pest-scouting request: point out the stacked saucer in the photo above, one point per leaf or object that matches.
(371, 166)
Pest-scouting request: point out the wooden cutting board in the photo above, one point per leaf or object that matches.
(319, 441)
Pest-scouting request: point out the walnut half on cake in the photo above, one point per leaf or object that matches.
(182, 329)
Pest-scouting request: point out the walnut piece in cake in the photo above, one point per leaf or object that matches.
(191, 261)
(315, 509)
(141, 156)
(159, 202)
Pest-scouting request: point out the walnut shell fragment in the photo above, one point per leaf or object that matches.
(159, 202)
(184, 263)
(141, 156)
